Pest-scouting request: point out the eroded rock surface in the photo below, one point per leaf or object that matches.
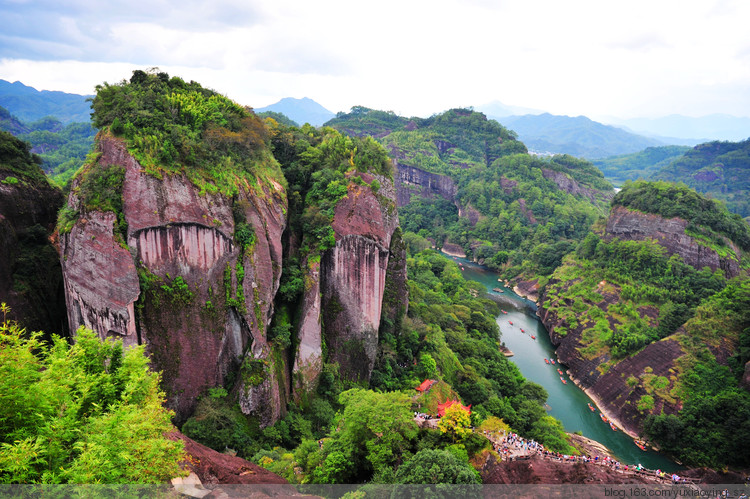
(180, 283)
(627, 224)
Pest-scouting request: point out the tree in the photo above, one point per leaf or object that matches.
(456, 422)
(436, 466)
(90, 412)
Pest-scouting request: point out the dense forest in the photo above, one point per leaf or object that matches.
(638, 165)
(720, 170)
(525, 221)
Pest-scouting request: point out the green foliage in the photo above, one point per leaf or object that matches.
(176, 127)
(720, 170)
(456, 422)
(91, 412)
(373, 435)
(218, 424)
(638, 165)
(453, 322)
(278, 118)
(436, 466)
(319, 166)
(645, 277)
(17, 161)
(670, 200)
(713, 426)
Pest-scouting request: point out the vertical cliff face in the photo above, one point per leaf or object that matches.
(413, 181)
(179, 282)
(308, 361)
(353, 275)
(670, 233)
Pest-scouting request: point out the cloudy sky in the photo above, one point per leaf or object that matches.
(593, 57)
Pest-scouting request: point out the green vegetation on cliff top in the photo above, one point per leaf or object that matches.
(176, 127)
(673, 200)
(720, 170)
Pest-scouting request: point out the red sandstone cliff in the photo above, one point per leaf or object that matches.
(195, 335)
(627, 224)
(353, 275)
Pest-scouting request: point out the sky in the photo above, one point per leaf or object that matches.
(599, 58)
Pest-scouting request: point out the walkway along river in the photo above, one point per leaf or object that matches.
(567, 402)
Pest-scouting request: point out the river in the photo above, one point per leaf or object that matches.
(566, 402)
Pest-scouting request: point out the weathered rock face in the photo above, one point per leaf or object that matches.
(670, 233)
(396, 293)
(101, 282)
(746, 376)
(201, 304)
(30, 274)
(412, 180)
(353, 276)
(309, 359)
(569, 185)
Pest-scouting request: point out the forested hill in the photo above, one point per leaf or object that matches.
(642, 164)
(720, 170)
(61, 147)
(468, 181)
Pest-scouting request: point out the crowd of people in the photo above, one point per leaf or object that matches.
(512, 446)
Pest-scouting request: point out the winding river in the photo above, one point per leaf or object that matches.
(566, 402)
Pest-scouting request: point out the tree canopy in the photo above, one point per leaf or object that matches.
(87, 413)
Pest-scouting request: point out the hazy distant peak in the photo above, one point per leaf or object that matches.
(497, 109)
(304, 110)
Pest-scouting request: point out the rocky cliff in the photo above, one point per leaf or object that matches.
(616, 387)
(646, 381)
(670, 233)
(353, 275)
(30, 274)
(413, 181)
(571, 186)
(178, 281)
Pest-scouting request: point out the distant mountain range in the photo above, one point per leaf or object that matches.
(579, 136)
(29, 104)
(706, 128)
(541, 132)
(302, 111)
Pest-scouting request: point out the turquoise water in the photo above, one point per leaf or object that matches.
(567, 402)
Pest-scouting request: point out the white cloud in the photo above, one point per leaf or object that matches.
(415, 58)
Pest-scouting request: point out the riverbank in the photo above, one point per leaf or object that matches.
(599, 404)
(453, 250)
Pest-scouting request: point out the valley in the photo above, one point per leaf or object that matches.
(284, 281)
